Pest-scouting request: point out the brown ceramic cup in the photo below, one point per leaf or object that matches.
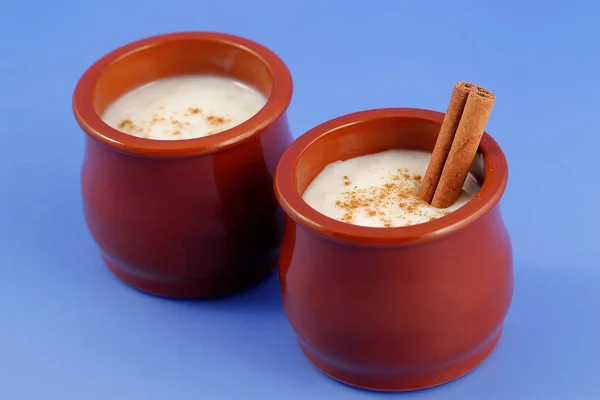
(393, 308)
(185, 218)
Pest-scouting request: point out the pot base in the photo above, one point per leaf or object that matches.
(191, 288)
(403, 383)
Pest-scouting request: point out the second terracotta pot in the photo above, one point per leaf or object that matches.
(393, 308)
(185, 218)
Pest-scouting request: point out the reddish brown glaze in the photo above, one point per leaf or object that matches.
(185, 218)
(393, 308)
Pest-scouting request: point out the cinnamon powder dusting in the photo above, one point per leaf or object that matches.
(173, 124)
(215, 120)
(400, 195)
(126, 124)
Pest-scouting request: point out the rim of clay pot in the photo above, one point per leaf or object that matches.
(492, 189)
(276, 105)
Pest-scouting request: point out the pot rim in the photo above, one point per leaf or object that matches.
(492, 189)
(93, 125)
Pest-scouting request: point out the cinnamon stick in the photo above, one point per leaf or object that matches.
(476, 112)
(444, 141)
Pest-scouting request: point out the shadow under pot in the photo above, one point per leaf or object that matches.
(194, 217)
(399, 308)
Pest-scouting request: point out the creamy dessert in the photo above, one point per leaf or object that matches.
(184, 107)
(379, 190)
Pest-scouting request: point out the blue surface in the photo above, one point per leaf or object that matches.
(70, 330)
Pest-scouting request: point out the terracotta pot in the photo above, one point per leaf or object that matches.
(185, 218)
(393, 308)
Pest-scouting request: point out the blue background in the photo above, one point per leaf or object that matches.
(69, 329)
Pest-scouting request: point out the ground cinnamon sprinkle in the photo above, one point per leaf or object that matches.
(401, 191)
(176, 123)
(173, 124)
(213, 120)
(126, 124)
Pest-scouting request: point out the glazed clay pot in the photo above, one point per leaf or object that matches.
(393, 308)
(185, 218)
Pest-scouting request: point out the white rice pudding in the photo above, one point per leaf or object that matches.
(379, 190)
(184, 107)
